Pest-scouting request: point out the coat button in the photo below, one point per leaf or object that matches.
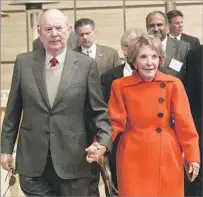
(162, 85)
(158, 129)
(160, 115)
(161, 100)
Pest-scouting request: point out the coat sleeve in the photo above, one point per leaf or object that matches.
(184, 124)
(99, 108)
(13, 113)
(117, 111)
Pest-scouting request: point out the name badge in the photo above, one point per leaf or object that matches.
(175, 65)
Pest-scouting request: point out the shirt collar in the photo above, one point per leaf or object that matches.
(164, 43)
(177, 37)
(92, 48)
(61, 58)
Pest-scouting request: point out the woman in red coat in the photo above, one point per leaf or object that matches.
(149, 157)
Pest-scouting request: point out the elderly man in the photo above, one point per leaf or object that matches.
(176, 51)
(175, 20)
(54, 87)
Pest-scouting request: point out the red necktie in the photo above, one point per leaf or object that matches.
(53, 61)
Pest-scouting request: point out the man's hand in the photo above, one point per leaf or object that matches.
(95, 152)
(193, 170)
(7, 161)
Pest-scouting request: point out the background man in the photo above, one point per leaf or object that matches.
(53, 87)
(175, 19)
(176, 51)
(193, 84)
(105, 58)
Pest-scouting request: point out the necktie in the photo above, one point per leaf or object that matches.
(53, 61)
(89, 52)
(176, 38)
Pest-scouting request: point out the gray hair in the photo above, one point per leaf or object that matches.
(129, 36)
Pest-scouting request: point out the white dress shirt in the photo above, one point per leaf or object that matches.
(90, 51)
(127, 71)
(176, 37)
(164, 43)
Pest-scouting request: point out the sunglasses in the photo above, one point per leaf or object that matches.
(12, 179)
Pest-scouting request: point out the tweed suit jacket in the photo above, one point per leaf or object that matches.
(106, 57)
(60, 128)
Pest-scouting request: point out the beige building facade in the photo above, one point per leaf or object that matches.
(112, 17)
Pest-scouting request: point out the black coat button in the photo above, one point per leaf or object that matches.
(158, 129)
(160, 115)
(161, 100)
(162, 85)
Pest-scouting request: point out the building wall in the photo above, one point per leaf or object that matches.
(111, 18)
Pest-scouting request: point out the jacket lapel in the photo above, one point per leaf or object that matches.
(170, 50)
(99, 54)
(69, 70)
(38, 68)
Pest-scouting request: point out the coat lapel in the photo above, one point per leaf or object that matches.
(69, 70)
(38, 68)
(170, 50)
(99, 54)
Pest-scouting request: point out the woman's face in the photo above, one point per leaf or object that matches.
(147, 63)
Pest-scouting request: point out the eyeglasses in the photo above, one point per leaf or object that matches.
(12, 179)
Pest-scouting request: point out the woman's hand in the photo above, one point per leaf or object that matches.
(193, 170)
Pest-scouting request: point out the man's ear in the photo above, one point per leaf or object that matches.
(124, 50)
(70, 27)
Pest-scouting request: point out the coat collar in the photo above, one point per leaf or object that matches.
(136, 79)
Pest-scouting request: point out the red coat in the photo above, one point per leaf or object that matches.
(149, 157)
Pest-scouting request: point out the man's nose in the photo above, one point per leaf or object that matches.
(156, 28)
(54, 32)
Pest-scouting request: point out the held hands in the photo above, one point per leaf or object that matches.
(95, 152)
(193, 170)
(7, 161)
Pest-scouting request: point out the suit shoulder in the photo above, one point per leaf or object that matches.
(190, 37)
(108, 76)
(107, 48)
(26, 55)
(82, 56)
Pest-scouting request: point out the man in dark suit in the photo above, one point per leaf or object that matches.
(193, 84)
(175, 19)
(54, 87)
(176, 51)
(105, 58)
(107, 79)
(72, 42)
